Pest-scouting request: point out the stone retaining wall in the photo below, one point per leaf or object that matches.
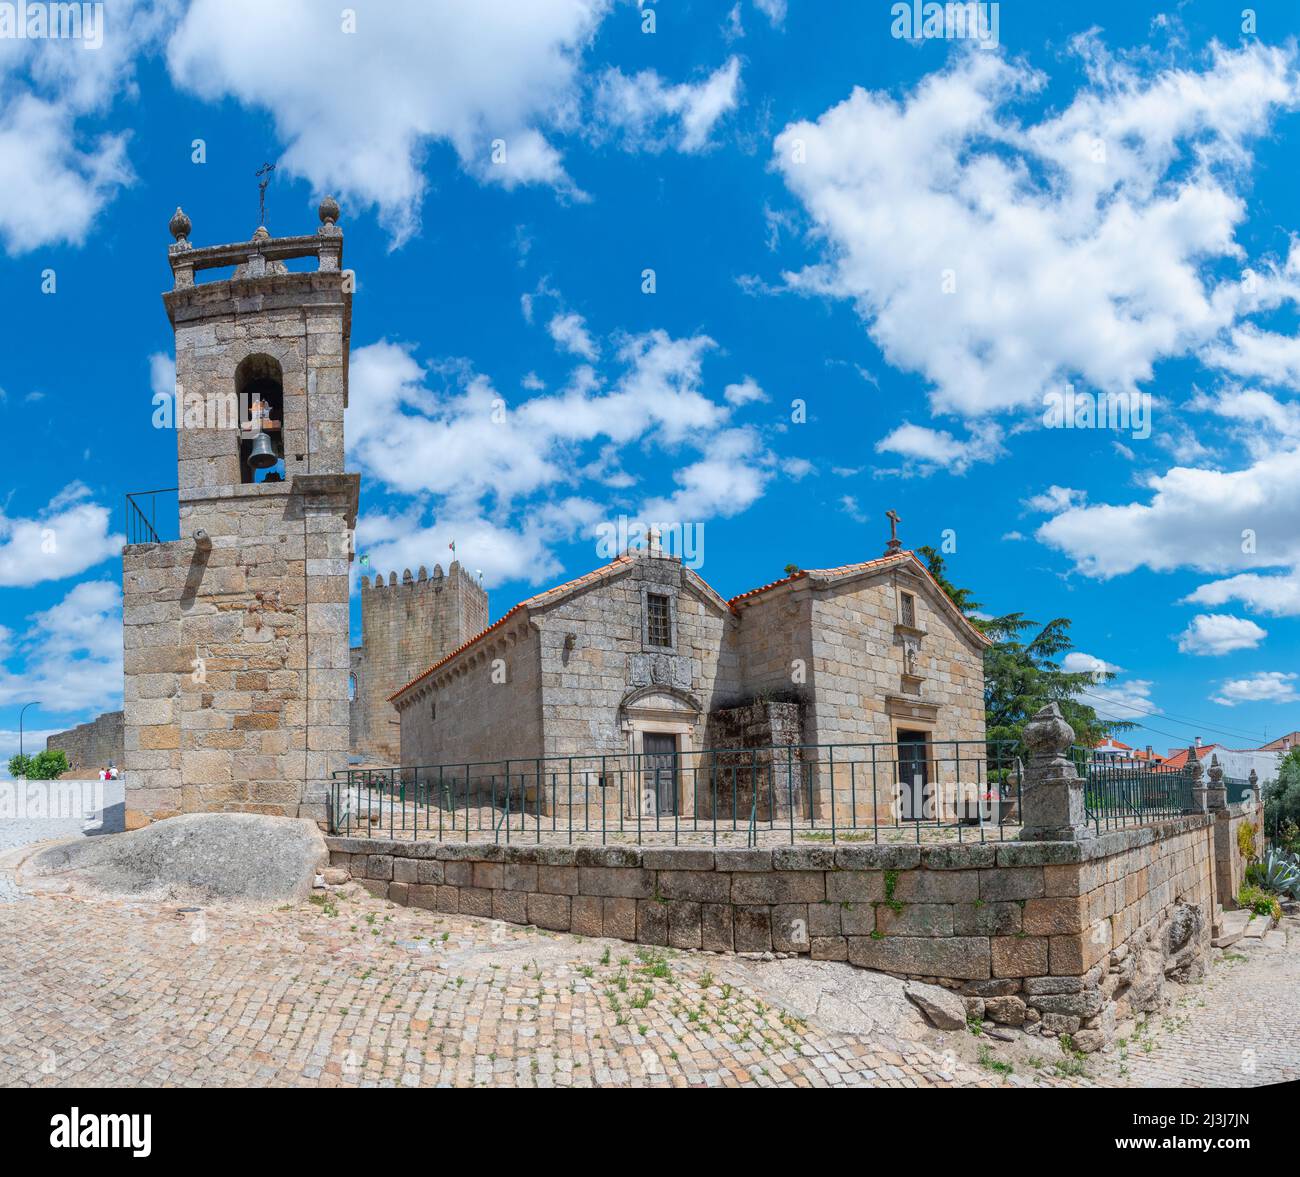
(1230, 864)
(91, 745)
(1071, 935)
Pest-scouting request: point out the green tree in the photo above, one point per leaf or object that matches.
(44, 766)
(1282, 798)
(1023, 673)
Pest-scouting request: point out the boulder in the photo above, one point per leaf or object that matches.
(943, 1009)
(195, 858)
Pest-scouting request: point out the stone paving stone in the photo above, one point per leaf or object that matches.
(351, 991)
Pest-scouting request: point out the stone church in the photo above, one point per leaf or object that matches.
(643, 659)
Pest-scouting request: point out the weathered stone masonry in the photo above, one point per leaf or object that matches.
(91, 745)
(236, 635)
(1066, 934)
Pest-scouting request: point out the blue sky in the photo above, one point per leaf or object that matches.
(875, 261)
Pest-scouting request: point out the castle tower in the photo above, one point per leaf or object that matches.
(406, 627)
(236, 634)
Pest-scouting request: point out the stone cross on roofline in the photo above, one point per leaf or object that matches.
(895, 544)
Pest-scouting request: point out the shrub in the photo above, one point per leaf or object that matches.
(1260, 902)
(1246, 841)
(44, 766)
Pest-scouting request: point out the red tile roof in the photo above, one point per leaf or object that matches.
(903, 556)
(569, 586)
(537, 599)
(1178, 758)
(1282, 743)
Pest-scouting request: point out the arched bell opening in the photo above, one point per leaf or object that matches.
(259, 386)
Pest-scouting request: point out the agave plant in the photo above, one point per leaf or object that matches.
(1280, 872)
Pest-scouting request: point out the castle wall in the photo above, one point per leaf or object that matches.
(91, 745)
(406, 627)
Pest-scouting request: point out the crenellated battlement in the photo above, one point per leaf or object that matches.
(439, 579)
(408, 622)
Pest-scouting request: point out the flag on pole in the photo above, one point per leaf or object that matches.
(364, 561)
(452, 546)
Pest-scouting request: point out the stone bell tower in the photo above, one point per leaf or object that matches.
(236, 634)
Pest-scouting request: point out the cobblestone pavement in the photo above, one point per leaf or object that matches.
(1240, 1028)
(349, 991)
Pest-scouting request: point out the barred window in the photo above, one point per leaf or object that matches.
(659, 628)
(909, 610)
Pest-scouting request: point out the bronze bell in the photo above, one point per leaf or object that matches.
(262, 455)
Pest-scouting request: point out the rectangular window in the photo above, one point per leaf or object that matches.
(908, 610)
(659, 626)
(433, 711)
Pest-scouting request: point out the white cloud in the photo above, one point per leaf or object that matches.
(1056, 498)
(850, 506)
(510, 476)
(70, 535)
(1129, 700)
(1277, 596)
(1194, 518)
(774, 10)
(1032, 230)
(71, 652)
(1270, 686)
(928, 450)
(1078, 662)
(1219, 633)
(1264, 355)
(744, 393)
(569, 330)
(56, 171)
(652, 115)
(358, 111)
(726, 481)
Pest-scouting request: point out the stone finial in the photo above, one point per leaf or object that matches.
(1195, 766)
(179, 226)
(423, 574)
(1216, 773)
(1051, 793)
(261, 233)
(328, 211)
(437, 572)
(406, 576)
(1048, 738)
(365, 581)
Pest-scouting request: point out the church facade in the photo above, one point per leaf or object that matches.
(641, 658)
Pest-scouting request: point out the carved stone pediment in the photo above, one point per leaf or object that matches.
(662, 701)
(669, 670)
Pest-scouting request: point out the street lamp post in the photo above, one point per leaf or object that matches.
(33, 703)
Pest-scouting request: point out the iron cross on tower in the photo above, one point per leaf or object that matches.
(263, 179)
(895, 544)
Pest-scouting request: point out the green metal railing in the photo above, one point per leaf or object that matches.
(827, 792)
(142, 516)
(1118, 794)
(1238, 789)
